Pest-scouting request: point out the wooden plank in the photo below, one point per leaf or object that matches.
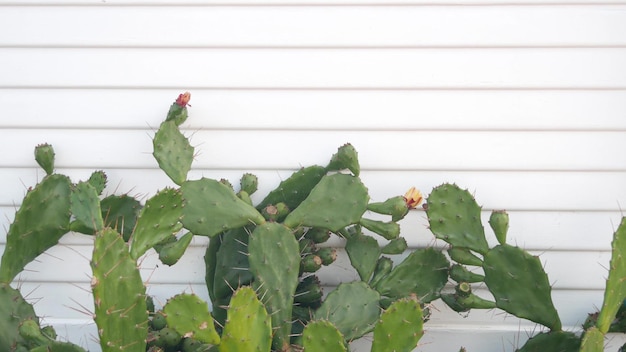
(528, 68)
(309, 26)
(513, 190)
(378, 150)
(317, 109)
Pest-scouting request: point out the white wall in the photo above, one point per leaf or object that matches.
(523, 102)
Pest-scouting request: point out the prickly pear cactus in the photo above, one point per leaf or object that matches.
(322, 336)
(170, 253)
(119, 295)
(42, 219)
(499, 222)
(211, 207)
(400, 327)
(13, 310)
(173, 152)
(363, 252)
(85, 207)
(121, 213)
(189, 315)
(248, 326)
(395, 206)
(592, 340)
(275, 260)
(293, 190)
(159, 219)
(520, 285)
(44, 155)
(335, 202)
(557, 341)
(345, 158)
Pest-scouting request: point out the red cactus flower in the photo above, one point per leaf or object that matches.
(413, 198)
(183, 99)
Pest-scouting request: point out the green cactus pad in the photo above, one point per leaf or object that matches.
(592, 341)
(400, 327)
(210, 263)
(615, 290)
(210, 207)
(56, 346)
(98, 180)
(464, 256)
(423, 273)
(42, 219)
(454, 217)
(173, 152)
(383, 268)
(44, 155)
(159, 219)
(119, 295)
(463, 303)
(309, 292)
(189, 315)
(13, 310)
(395, 206)
(388, 230)
(121, 213)
(85, 207)
(363, 252)
(459, 273)
(395, 246)
(231, 263)
(335, 202)
(294, 189)
(248, 326)
(275, 260)
(352, 307)
(317, 235)
(322, 336)
(499, 222)
(345, 158)
(554, 341)
(249, 183)
(520, 285)
(170, 253)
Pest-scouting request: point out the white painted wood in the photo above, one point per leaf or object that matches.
(382, 26)
(525, 68)
(452, 3)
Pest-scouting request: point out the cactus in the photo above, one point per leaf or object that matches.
(120, 213)
(345, 158)
(592, 340)
(159, 219)
(248, 327)
(459, 273)
(363, 252)
(294, 189)
(464, 256)
(42, 219)
(322, 336)
(499, 222)
(395, 246)
(335, 202)
(423, 273)
(211, 207)
(85, 207)
(395, 206)
(44, 155)
(178, 110)
(327, 255)
(189, 316)
(557, 341)
(274, 260)
(463, 299)
(400, 327)
(13, 310)
(173, 152)
(119, 295)
(98, 180)
(383, 267)
(249, 183)
(388, 230)
(454, 217)
(309, 292)
(170, 253)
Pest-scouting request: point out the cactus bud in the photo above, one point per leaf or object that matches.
(310, 263)
(276, 212)
(44, 155)
(413, 197)
(499, 222)
(327, 255)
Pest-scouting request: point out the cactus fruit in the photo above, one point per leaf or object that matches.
(317, 235)
(395, 246)
(189, 316)
(248, 326)
(423, 273)
(520, 285)
(400, 327)
(557, 341)
(44, 155)
(310, 263)
(274, 258)
(119, 295)
(388, 230)
(120, 213)
(173, 152)
(499, 222)
(249, 183)
(85, 207)
(335, 202)
(395, 206)
(13, 310)
(363, 251)
(322, 336)
(454, 217)
(170, 253)
(345, 158)
(276, 213)
(327, 255)
(352, 307)
(211, 207)
(42, 219)
(615, 290)
(293, 190)
(159, 219)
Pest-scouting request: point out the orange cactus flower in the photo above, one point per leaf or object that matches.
(413, 198)
(183, 99)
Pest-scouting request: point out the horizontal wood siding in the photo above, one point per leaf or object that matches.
(523, 102)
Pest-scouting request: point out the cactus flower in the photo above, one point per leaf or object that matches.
(413, 198)
(183, 99)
